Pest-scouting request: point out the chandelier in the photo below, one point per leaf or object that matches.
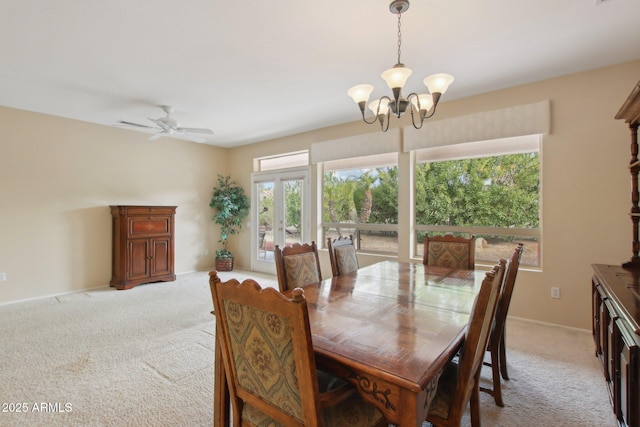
(422, 106)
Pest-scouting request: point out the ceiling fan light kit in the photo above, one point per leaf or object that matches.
(170, 127)
(422, 106)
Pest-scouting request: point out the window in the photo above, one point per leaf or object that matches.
(281, 161)
(360, 198)
(489, 189)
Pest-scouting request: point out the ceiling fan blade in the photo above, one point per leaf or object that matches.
(169, 127)
(196, 130)
(122, 122)
(157, 135)
(191, 138)
(160, 123)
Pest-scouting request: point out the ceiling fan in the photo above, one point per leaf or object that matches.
(169, 127)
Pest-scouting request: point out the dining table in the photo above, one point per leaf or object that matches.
(389, 328)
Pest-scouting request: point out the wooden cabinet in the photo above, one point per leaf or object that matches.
(616, 332)
(142, 245)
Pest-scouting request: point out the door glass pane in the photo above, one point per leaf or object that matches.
(265, 221)
(293, 211)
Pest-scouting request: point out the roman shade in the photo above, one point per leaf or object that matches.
(509, 122)
(356, 146)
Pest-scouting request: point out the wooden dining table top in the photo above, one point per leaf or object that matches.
(399, 321)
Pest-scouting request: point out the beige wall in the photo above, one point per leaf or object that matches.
(585, 185)
(58, 178)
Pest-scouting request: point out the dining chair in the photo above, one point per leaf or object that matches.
(342, 255)
(450, 251)
(459, 383)
(297, 265)
(269, 362)
(496, 345)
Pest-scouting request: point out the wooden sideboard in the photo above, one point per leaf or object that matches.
(616, 333)
(143, 245)
(616, 298)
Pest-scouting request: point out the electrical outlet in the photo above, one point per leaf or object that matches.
(3, 277)
(555, 292)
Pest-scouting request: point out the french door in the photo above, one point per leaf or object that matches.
(280, 214)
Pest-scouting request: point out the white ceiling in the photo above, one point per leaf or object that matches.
(253, 70)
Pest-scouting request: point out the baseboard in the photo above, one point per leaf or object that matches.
(539, 322)
(77, 291)
(41, 297)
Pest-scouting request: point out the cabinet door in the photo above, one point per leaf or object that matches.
(612, 370)
(161, 260)
(595, 305)
(603, 321)
(629, 390)
(138, 259)
(608, 316)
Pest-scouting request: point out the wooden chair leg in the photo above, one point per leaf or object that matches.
(495, 373)
(475, 401)
(503, 358)
(496, 389)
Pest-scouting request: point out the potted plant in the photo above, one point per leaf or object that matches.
(232, 206)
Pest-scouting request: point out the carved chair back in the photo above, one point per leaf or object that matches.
(449, 251)
(342, 254)
(297, 265)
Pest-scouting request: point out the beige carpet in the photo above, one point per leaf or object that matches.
(144, 357)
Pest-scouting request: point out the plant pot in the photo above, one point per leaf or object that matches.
(224, 264)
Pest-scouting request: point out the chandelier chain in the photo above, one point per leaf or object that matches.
(399, 36)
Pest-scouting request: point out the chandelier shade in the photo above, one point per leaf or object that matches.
(438, 83)
(380, 106)
(397, 76)
(422, 106)
(360, 93)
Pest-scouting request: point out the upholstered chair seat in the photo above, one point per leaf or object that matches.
(351, 412)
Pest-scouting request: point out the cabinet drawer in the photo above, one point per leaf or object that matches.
(143, 226)
(148, 210)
